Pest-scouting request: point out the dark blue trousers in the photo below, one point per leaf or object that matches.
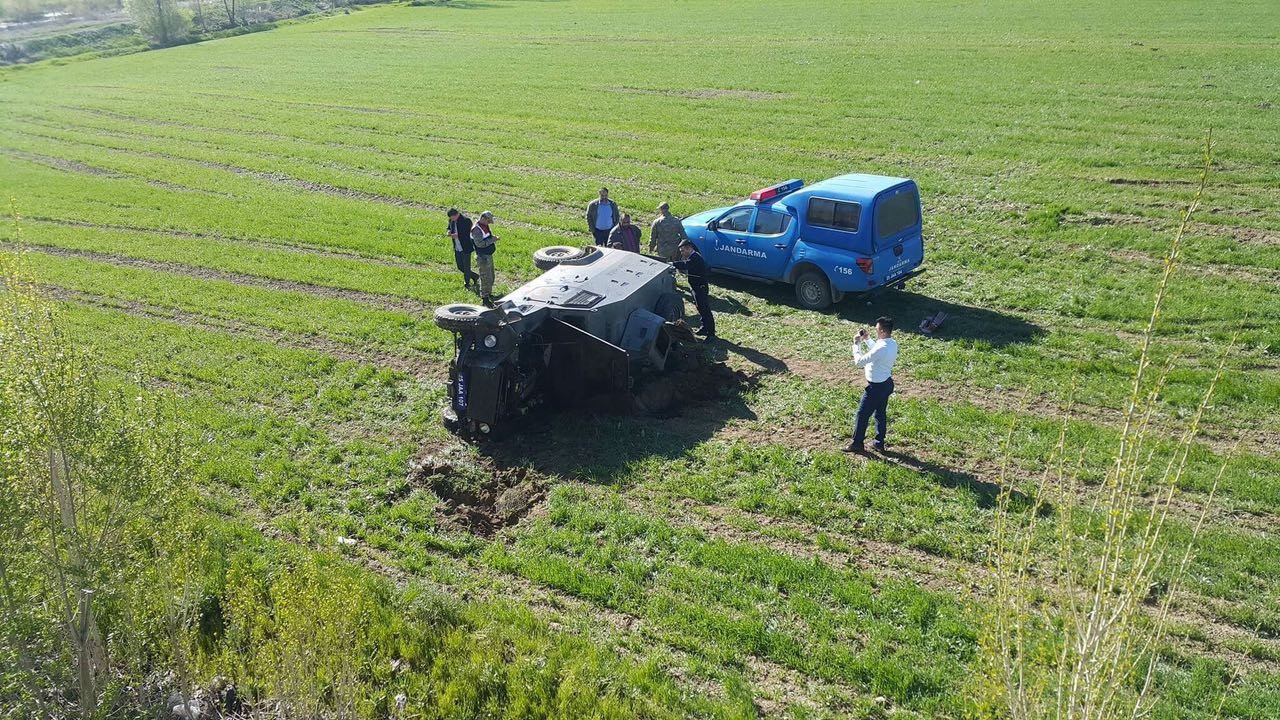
(875, 401)
(702, 301)
(601, 236)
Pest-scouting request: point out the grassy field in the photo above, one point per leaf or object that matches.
(255, 225)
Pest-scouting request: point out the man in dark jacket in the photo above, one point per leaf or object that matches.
(602, 215)
(693, 265)
(460, 232)
(626, 235)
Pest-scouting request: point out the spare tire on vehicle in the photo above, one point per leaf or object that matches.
(458, 317)
(549, 257)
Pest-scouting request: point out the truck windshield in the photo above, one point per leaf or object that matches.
(897, 212)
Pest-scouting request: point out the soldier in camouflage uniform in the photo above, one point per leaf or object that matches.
(666, 234)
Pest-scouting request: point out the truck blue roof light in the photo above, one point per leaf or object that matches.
(776, 191)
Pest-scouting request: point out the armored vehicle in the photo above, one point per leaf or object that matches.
(577, 334)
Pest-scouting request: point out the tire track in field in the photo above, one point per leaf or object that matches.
(300, 248)
(414, 367)
(386, 302)
(982, 476)
(77, 167)
(962, 578)
(1256, 440)
(297, 183)
(578, 177)
(934, 572)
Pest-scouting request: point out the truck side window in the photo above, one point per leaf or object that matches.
(771, 223)
(834, 214)
(736, 221)
(897, 213)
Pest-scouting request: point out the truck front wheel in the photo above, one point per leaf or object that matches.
(813, 292)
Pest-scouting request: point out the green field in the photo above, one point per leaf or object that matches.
(255, 225)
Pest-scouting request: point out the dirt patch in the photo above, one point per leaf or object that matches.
(1255, 236)
(62, 164)
(1151, 183)
(695, 379)
(480, 499)
(1110, 219)
(705, 93)
(1239, 272)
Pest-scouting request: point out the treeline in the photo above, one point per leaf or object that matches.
(32, 10)
(171, 22)
(154, 23)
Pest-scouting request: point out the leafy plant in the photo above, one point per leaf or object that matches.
(1079, 621)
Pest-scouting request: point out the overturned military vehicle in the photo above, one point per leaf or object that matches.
(578, 334)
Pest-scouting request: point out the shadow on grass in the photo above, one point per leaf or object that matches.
(986, 493)
(598, 445)
(908, 309)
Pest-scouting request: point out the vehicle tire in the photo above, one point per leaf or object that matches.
(549, 257)
(813, 292)
(670, 306)
(458, 317)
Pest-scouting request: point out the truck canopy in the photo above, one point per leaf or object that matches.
(844, 227)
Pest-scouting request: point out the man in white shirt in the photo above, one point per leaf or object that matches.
(876, 359)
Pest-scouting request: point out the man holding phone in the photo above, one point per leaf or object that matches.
(876, 358)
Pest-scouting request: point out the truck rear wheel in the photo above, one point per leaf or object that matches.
(459, 317)
(813, 292)
(549, 257)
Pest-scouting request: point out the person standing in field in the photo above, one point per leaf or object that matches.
(486, 243)
(876, 358)
(666, 234)
(626, 235)
(693, 265)
(602, 215)
(460, 232)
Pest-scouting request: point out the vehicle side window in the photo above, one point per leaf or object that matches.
(737, 221)
(897, 213)
(834, 214)
(771, 223)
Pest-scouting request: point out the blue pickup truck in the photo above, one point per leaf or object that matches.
(851, 233)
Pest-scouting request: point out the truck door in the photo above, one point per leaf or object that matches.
(898, 240)
(729, 240)
(769, 244)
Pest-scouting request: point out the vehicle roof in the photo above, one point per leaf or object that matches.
(858, 187)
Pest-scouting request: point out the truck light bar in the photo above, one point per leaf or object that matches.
(778, 190)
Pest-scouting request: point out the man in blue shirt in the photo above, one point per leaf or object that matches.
(602, 215)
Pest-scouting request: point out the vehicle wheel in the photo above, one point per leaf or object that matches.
(813, 292)
(549, 257)
(670, 306)
(458, 318)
